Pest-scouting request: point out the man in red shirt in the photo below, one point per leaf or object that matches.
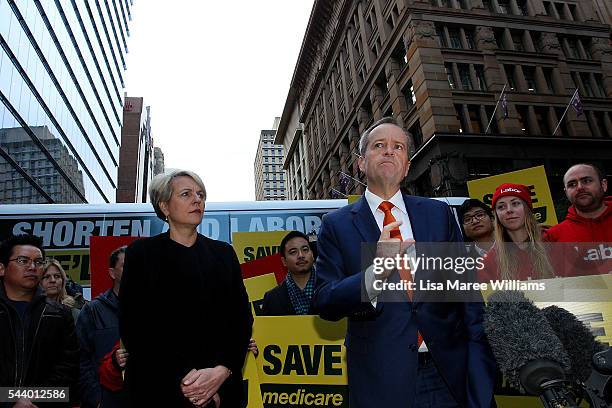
(588, 220)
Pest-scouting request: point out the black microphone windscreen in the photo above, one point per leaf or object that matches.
(577, 340)
(519, 333)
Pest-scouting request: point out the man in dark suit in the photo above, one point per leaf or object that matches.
(294, 295)
(389, 364)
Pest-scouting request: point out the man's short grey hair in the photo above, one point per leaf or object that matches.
(364, 140)
(160, 189)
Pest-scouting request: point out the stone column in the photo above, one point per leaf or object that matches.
(567, 14)
(595, 131)
(507, 40)
(484, 119)
(514, 8)
(557, 81)
(456, 76)
(532, 123)
(541, 83)
(519, 78)
(607, 123)
(495, 5)
(551, 117)
(466, 117)
(527, 40)
(473, 77)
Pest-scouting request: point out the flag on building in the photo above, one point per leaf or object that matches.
(576, 103)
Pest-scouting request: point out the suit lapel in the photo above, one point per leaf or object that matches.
(419, 228)
(364, 221)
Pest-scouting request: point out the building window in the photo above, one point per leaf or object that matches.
(522, 6)
(454, 37)
(522, 117)
(586, 83)
(449, 75)
(474, 117)
(510, 77)
(517, 40)
(441, 37)
(548, 73)
(549, 8)
(530, 78)
(504, 7)
(417, 135)
(469, 39)
(408, 92)
(541, 114)
(480, 78)
(464, 76)
(572, 48)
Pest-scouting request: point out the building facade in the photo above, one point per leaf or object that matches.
(61, 80)
(439, 68)
(158, 161)
(268, 167)
(136, 160)
(63, 185)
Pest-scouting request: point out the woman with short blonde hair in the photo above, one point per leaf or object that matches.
(185, 317)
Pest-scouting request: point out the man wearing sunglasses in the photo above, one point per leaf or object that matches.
(38, 345)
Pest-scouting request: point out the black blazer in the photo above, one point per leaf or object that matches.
(182, 308)
(276, 302)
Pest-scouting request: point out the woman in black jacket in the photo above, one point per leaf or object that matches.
(184, 313)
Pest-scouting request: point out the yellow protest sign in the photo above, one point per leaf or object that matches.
(249, 374)
(257, 287)
(302, 361)
(254, 245)
(534, 178)
(353, 198)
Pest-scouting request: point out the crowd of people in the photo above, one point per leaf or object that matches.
(175, 327)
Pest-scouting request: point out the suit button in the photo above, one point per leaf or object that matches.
(413, 347)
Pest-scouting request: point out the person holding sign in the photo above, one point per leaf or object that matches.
(519, 253)
(185, 317)
(294, 295)
(388, 363)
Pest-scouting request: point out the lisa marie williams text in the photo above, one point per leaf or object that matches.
(457, 264)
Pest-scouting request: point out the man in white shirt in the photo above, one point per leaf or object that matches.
(388, 363)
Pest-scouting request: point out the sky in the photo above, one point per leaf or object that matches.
(215, 73)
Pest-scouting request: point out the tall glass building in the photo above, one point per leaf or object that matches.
(61, 92)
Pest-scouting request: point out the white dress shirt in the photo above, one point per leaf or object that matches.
(400, 214)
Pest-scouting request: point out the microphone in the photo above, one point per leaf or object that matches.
(577, 340)
(526, 348)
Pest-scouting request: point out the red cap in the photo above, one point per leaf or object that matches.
(516, 190)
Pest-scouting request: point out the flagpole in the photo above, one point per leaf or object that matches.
(339, 192)
(495, 110)
(353, 178)
(564, 113)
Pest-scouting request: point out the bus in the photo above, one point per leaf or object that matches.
(66, 228)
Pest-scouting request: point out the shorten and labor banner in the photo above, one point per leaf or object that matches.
(534, 178)
(301, 362)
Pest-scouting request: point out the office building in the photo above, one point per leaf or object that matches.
(136, 155)
(268, 167)
(439, 67)
(62, 76)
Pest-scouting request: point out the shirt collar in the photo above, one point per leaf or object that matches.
(374, 201)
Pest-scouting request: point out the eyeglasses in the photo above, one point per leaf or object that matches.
(479, 216)
(26, 262)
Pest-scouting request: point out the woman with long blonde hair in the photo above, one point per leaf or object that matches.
(519, 253)
(53, 283)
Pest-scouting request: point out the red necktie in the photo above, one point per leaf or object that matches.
(405, 274)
